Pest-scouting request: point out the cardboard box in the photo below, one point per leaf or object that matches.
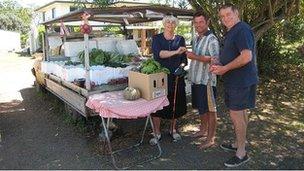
(151, 86)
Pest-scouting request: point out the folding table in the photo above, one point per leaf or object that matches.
(112, 105)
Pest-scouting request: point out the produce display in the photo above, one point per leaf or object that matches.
(98, 74)
(85, 28)
(105, 67)
(69, 62)
(150, 66)
(115, 81)
(100, 57)
(131, 93)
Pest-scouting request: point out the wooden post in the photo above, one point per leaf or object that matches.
(87, 62)
(43, 47)
(143, 41)
(125, 32)
(46, 44)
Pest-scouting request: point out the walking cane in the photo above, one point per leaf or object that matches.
(179, 72)
(174, 101)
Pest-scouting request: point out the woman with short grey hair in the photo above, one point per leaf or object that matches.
(169, 50)
(170, 19)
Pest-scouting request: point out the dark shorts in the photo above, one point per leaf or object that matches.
(199, 97)
(240, 98)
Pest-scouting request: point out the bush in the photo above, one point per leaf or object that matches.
(293, 30)
(268, 52)
(41, 31)
(275, 52)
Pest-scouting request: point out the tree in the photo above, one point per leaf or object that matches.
(11, 22)
(183, 4)
(95, 3)
(260, 14)
(15, 18)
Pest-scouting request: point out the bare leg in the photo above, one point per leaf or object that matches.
(240, 128)
(246, 118)
(203, 127)
(204, 123)
(156, 123)
(212, 123)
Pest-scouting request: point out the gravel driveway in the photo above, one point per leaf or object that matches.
(34, 134)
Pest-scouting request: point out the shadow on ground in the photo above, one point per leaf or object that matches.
(36, 133)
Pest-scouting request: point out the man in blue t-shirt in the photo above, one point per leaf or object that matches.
(239, 72)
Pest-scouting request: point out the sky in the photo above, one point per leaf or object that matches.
(38, 3)
(33, 3)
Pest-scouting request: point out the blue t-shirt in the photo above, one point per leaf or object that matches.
(238, 38)
(159, 43)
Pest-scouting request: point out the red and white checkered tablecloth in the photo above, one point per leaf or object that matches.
(113, 105)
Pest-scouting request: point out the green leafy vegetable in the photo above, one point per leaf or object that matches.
(150, 66)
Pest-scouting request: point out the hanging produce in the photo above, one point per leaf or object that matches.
(85, 27)
(64, 31)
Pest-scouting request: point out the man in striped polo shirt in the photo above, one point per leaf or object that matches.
(205, 47)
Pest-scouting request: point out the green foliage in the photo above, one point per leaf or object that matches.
(96, 3)
(24, 38)
(274, 53)
(293, 30)
(113, 30)
(103, 3)
(15, 18)
(150, 66)
(183, 4)
(260, 14)
(11, 22)
(100, 57)
(76, 29)
(184, 30)
(41, 31)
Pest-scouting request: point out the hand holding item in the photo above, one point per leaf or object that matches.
(218, 69)
(180, 71)
(181, 50)
(215, 61)
(190, 55)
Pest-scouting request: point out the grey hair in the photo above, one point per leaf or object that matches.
(170, 18)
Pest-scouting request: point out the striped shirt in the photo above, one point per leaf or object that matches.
(207, 45)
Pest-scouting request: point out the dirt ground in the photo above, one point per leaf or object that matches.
(35, 132)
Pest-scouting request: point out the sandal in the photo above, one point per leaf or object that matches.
(153, 141)
(176, 136)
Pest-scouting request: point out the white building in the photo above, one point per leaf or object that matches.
(46, 12)
(58, 8)
(10, 41)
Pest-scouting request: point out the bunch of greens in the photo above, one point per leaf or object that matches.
(150, 66)
(100, 57)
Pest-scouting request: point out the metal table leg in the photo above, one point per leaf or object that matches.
(111, 152)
